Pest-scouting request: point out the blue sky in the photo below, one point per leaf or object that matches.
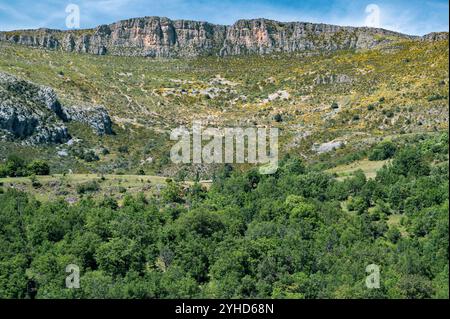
(408, 16)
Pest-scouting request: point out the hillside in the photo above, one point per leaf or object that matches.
(320, 100)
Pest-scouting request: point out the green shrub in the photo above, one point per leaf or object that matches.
(3, 171)
(388, 114)
(410, 162)
(35, 182)
(104, 151)
(91, 186)
(14, 167)
(357, 204)
(173, 193)
(123, 149)
(86, 155)
(278, 118)
(393, 235)
(90, 156)
(436, 97)
(382, 151)
(38, 167)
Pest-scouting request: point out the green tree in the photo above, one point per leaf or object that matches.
(383, 151)
(38, 167)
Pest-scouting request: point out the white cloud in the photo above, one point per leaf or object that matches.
(373, 16)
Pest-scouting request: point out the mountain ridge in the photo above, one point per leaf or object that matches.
(166, 38)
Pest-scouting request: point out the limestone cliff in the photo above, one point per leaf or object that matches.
(162, 37)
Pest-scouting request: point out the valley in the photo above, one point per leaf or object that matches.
(88, 177)
(351, 98)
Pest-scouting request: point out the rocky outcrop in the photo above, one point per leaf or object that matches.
(162, 37)
(328, 146)
(332, 79)
(34, 127)
(96, 116)
(44, 38)
(435, 36)
(33, 114)
(265, 36)
(30, 112)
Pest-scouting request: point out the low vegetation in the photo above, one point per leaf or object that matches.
(16, 167)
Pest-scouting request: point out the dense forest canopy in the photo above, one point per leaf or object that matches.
(300, 233)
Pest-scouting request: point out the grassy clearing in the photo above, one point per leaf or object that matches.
(395, 220)
(67, 186)
(369, 168)
(84, 177)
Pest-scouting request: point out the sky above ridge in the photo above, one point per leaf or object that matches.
(416, 17)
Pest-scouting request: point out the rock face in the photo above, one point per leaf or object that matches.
(30, 112)
(328, 146)
(435, 36)
(33, 114)
(162, 37)
(333, 78)
(96, 116)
